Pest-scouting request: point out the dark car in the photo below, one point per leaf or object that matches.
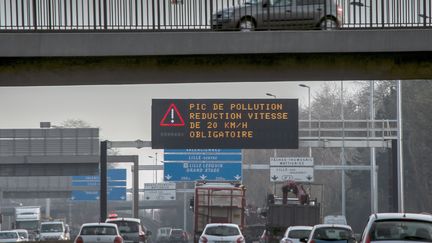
(279, 14)
(177, 235)
(252, 233)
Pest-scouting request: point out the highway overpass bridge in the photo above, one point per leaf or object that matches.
(188, 57)
(160, 41)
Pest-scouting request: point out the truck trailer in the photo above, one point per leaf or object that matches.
(218, 203)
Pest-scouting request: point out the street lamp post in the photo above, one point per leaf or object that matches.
(401, 202)
(274, 150)
(272, 95)
(310, 114)
(155, 171)
(343, 162)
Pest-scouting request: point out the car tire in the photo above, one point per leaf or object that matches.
(246, 25)
(328, 24)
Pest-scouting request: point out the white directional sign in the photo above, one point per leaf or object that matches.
(159, 191)
(292, 161)
(299, 174)
(298, 169)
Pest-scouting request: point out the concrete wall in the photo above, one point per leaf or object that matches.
(91, 44)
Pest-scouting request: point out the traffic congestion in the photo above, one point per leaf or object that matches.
(388, 227)
(221, 216)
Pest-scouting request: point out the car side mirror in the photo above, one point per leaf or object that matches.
(304, 239)
(352, 239)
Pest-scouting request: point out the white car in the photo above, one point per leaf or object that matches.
(53, 230)
(335, 219)
(10, 236)
(163, 234)
(23, 233)
(330, 233)
(294, 233)
(397, 228)
(214, 233)
(99, 233)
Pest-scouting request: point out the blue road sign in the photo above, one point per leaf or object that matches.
(206, 151)
(116, 175)
(221, 171)
(112, 175)
(85, 195)
(114, 194)
(85, 178)
(116, 179)
(96, 183)
(117, 193)
(202, 157)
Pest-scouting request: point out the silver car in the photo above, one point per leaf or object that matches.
(294, 233)
(397, 228)
(279, 14)
(131, 229)
(10, 237)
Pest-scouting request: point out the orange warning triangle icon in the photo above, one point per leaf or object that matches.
(172, 118)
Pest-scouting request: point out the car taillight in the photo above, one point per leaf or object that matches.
(79, 240)
(240, 239)
(339, 10)
(142, 236)
(118, 239)
(203, 239)
(367, 239)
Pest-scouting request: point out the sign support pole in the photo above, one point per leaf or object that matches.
(135, 201)
(103, 181)
(185, 206)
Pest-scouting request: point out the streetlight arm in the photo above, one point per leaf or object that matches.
(272, 95)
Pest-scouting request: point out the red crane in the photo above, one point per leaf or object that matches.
(297, 189)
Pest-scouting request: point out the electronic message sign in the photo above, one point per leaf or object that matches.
(225, 123)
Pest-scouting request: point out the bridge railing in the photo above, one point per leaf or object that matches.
(199, 15)
(364, 130)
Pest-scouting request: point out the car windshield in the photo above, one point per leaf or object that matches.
(222, 231)
(98, 230)
(127, 226)
(51, 228)
(402, 230)
(8, 235)
(176, 232)
(332, 234)
(298, 234)
(248, 2)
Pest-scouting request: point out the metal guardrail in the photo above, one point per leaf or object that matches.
(205, 15)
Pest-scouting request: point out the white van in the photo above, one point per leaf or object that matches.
(335, 219)
(55, 230)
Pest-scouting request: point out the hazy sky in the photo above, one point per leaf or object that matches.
(124, 112)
